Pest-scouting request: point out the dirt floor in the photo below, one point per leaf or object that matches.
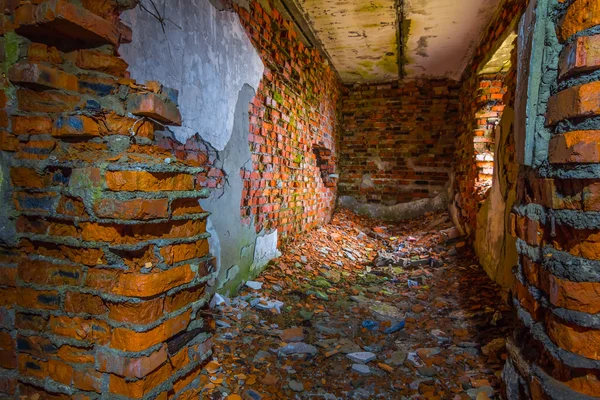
(367, 310)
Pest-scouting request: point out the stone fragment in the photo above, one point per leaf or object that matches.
(361, 357)
(361, 369)
(297, 348)
(296, 386)
(254, 285)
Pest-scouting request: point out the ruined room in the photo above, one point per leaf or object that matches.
(300, 199)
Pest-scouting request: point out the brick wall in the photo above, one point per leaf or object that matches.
(104, 256)
(554, 352)
(470, 135)
(398, 140)
(293, 129)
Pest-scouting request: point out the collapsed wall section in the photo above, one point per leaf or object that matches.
(104, 255)
(397, 146)
(553, 354)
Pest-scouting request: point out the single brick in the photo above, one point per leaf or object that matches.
(185, 251)
(61, 18)
(42, 76)
(75, 355)
(581, 15)
(138, 388)
(128, 340)
(98, 61)
(143, 181)
(577, 296)
(575, 147)
(76, 302)
(578, 101)
(582, 341)
(75, 125)
(46, 101)
(136, 284)
(31, 125)
(38, 299)
(132, 367)
(583, 55)
(141, 312)
(46, 273)
(153, 106)
(139, 209)
(90, 330)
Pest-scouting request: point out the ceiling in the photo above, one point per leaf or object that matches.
(364, 41)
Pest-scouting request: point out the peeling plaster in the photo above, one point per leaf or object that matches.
(208, 61)
(217, 71)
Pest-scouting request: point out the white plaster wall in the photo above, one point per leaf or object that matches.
(208, 60)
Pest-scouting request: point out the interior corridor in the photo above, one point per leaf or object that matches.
(273, 199)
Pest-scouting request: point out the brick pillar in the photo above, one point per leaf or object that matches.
(102, 278)
(555, 351)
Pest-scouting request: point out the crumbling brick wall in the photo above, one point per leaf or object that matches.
(468, 142)
(291, 185)
(554, 351)
(104, 256)
(398, 140)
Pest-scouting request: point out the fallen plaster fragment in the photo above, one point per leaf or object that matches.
(265, 250)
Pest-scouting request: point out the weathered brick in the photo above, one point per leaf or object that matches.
(148, 181)
(76, 302)
(184, 297)
(64, 19)
(129, 234)
(46, 101)
(185, 251)
(39, 75)
(582, 55)
(575, 147)
(76, 126)
(127, 367)
(186, 206)
(582, 14)
(140, 209)
(578, 340)
(153, 106)
(40, 52)
(37, 346)
(90, 330)
(578, 101)
(46, 273)
(142, 312)
(98, 61)
(31, 125)
(136, 284)
(128, 340)
(8, 141)
(137, 389)
(39, 299)
(75, 355)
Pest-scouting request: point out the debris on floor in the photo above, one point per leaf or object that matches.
(361, 309)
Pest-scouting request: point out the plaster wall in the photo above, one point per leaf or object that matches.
(205, 53)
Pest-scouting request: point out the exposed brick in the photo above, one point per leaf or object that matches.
(141, 312)
(41, 75)
(186, 206)
(147, 181)
(38, 299)
(582, 55)
(97, 61)
(75, 355)
(64, 19)
(138, 367)
(46, 273)
(90, 330)
(578, 101)
(137, 389)
(31, 125)
(151, 105)
(76, 302)
(128, 340)
(8, 142)
(138, 285)
(582, 14)
(76, 126)
(139, 209)
(185, 251)
(582, 341)
(46, 102)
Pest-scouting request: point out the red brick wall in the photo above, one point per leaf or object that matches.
(467, 140)
(401, 135)
(102, 285)
(554, 352)
(292, 119)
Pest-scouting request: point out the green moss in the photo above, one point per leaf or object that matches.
(11, 50)
(278, 97)
(388, 64)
